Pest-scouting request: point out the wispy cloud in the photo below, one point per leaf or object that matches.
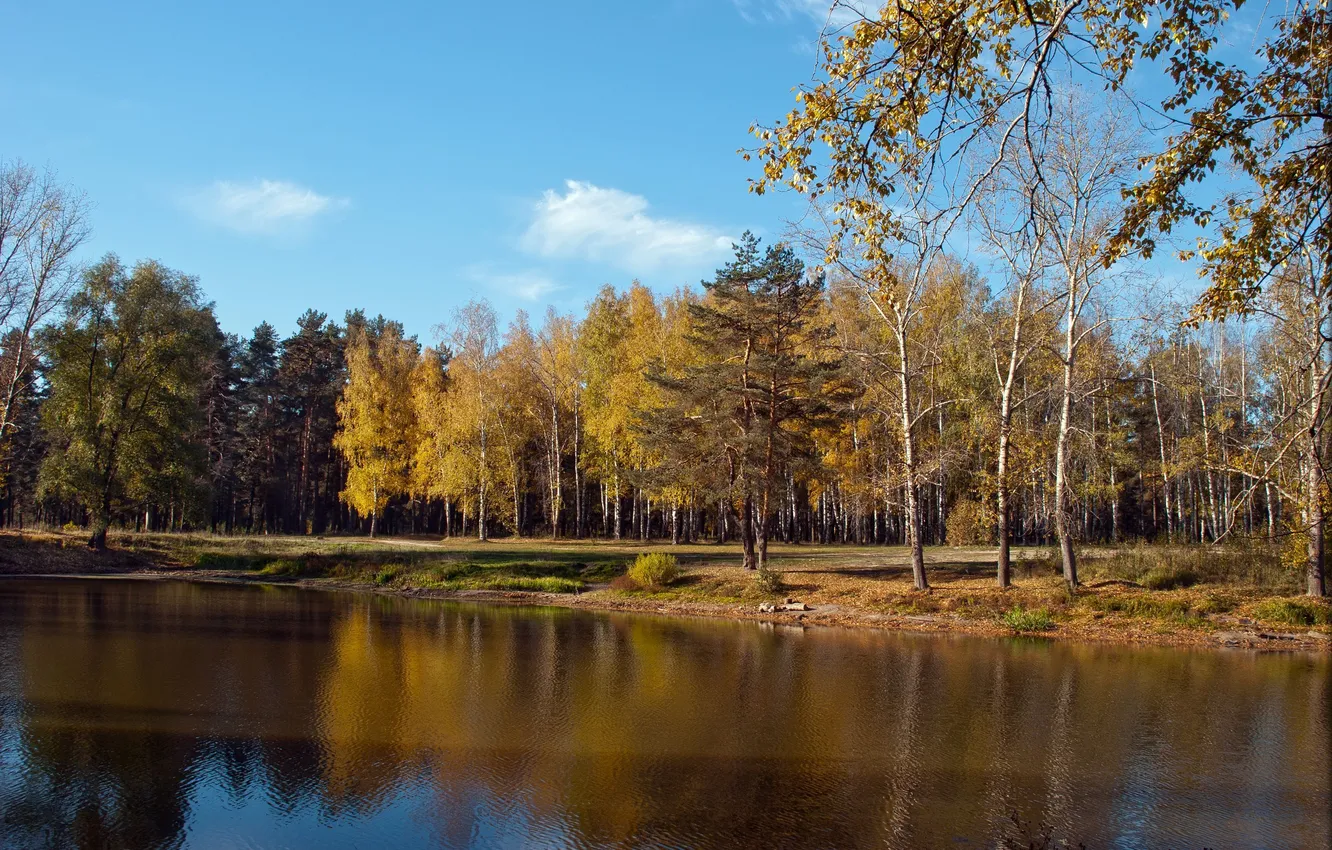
(613, 226)
(833, 14)
(261, 206)
(529, 285)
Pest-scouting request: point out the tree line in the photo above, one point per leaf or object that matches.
(778, 403)
(977, 355)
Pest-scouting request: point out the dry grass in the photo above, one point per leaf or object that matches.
(1157, 587)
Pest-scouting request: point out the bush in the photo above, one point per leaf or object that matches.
(1294, 612)
(654, 570)
(1020, 619)
(970, 523)
(386, 575)
(71, 528)
(283, 567)
(769, 581)
(1168, 578)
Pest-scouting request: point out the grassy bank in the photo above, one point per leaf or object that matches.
(1140, 593)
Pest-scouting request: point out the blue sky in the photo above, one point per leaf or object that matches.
(407, 157)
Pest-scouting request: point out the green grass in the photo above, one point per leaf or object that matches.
(1167, 587)
(1294, 612)
(1189, 611)
(1021, 619)
(548, 584)
(283, 567)
(230, 561)
(1168, 578)
(1159, 566)
(406, 569)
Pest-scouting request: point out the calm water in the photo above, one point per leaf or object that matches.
(140, 714)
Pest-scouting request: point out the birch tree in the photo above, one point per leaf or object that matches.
(376, 419)
(42, 224)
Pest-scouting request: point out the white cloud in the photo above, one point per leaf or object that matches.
(528, 285)
(832, 14)
(261, 206)
(611, 226)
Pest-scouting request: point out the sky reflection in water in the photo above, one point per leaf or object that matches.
(141, 714)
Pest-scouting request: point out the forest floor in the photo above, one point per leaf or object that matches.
(1157, 594)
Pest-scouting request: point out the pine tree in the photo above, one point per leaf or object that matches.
(761, 378)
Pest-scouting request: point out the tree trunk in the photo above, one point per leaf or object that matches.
(1316, 480)
(616, 494)
(747, 532)
(1165, 475)
(909, 469)
(579, 509)
(1061, 506)
(1004, 567)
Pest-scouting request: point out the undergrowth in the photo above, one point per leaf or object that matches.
(1158, 566)
(545, 577)
(1294, 612)
(1021, 619)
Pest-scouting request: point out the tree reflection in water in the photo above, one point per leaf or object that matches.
(182, 715)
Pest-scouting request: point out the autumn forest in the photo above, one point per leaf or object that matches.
(984, 331)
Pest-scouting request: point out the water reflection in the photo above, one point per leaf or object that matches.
(179, 715)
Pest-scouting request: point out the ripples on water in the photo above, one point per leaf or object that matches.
(141, 715)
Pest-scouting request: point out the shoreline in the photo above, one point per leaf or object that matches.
(1239, 634)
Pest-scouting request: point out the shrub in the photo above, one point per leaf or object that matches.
(624, 582)
(970, 523)
(282, 568)
(386, 575)
(769, 581)
(70, 528)
(1019, 619)
(1294, 612)
(654, 569)
(1168, 578)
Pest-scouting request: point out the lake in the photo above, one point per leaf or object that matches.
(142, 714)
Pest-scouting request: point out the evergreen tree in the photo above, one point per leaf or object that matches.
(311, 372)
(762, 378)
